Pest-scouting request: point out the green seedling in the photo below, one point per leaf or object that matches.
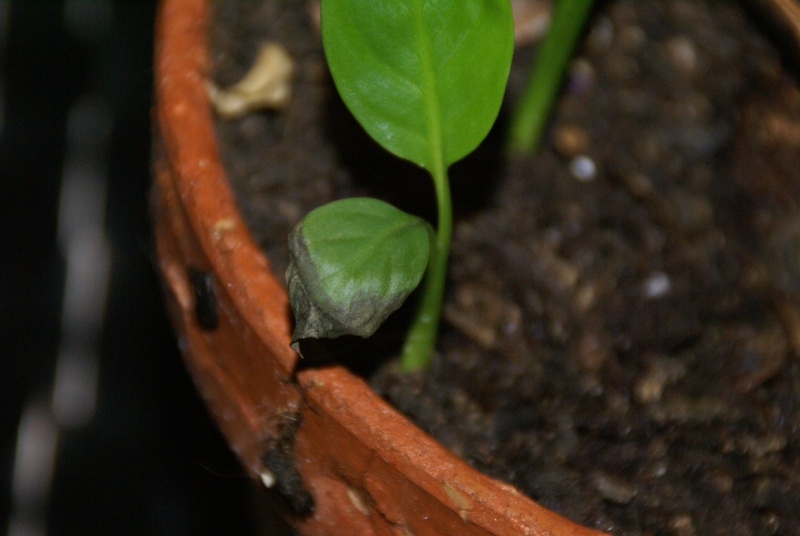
(425, 78)
(529, 118)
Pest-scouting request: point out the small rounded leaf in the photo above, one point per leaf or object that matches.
(352, 263)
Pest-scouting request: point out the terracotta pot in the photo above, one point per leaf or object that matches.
(337, 458)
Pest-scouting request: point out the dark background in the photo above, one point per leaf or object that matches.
(149, 461)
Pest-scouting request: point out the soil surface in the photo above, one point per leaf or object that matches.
(622, 326)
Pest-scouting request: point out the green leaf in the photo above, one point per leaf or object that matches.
(425, 78)
(351, 264)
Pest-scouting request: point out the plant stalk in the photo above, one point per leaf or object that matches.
(544, 80)
(421, 338)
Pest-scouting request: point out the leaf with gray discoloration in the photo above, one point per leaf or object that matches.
(352, 263)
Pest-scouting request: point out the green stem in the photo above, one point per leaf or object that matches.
(544, 80)
(421, 337)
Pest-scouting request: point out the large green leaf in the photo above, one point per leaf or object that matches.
(425, 78)
(351, 264)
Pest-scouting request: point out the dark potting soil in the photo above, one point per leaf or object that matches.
(622, 326)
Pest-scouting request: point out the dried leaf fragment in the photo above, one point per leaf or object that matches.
(267, 85)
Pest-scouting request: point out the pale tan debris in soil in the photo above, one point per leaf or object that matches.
(266, 86)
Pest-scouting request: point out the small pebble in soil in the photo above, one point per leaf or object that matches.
(570, 140)
(682, 53)
(592, 350)
(583, 168)
(585, 297)
(656, 286)
(682, 525)
(581, 77)
(657, 469)
(638, 184)
(613, 489)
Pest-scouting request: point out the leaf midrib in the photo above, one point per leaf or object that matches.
(430, 94)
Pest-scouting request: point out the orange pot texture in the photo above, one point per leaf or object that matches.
(336, 458)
